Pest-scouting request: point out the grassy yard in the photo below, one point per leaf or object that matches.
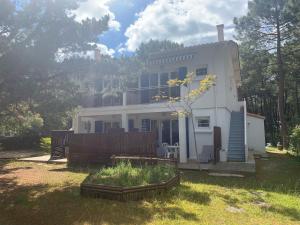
(32, 193)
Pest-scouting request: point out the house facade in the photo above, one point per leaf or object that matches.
(136, 110)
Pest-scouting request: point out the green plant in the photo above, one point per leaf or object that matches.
(45, 144)
(124, 174)
(295, 140)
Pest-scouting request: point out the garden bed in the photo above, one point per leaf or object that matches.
(125, 182)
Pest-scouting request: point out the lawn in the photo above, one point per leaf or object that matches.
(35, 193)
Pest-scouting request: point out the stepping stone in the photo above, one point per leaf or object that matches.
(226, 175)
(234, 209)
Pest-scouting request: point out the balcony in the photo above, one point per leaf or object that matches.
(131, 97)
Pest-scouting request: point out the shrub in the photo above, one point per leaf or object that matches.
(295, 140)
(19, 142)
(124, 174)
(45, 144)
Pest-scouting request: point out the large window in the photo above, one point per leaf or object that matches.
(203, 121)
(164, 77)
(154, 80)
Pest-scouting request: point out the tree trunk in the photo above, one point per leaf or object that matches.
(283, 125)
(194, 133)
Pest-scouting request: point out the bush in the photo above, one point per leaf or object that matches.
(124, 174)
(45, 144)
(295, 140)
(19, 142)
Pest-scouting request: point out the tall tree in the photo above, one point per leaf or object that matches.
(268, 25)
(32, 36)
(154, 46)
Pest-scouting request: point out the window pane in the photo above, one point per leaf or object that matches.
(115, 83)
(175, 132)
(133, 83)
(116, 125)
(164, 92)
(201, 71)
(145, 80)
(154, 80)
(164, 77)
(174, 75)
(99, 85)
(166, 131)
(145, 125)
(130, 124)
(175, 91)
(203, 121)
(145, 98)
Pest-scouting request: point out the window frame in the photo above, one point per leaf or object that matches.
(208, 118)
(201, 68)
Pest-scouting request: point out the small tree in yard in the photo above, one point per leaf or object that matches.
(295, 140)
(182, 106)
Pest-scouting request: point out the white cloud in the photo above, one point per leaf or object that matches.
(185, 21)
(96, 9)
(104, 50)
(63, 53)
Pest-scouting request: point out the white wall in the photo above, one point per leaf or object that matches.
(256, 133)
(204, 136)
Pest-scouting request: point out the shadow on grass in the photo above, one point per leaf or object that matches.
(278, 174)
(42, 204)
(292, 213)
(62, 204)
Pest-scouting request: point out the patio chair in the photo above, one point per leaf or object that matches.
(166, 150)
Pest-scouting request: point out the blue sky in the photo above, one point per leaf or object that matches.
(185, 21)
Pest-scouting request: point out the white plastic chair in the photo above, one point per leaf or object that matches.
(166, 150)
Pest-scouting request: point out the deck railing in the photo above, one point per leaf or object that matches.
(98, 148)
(134, 96)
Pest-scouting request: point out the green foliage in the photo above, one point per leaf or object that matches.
(295, 140)
(45, 144)
(124, 174)
(269, 43)
(18, 119)
(155, 46)
(32, 34)
(20, 142)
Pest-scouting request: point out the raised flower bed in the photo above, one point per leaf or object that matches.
(126, 182)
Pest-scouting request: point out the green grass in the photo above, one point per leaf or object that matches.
(34, 193)
(126, 175)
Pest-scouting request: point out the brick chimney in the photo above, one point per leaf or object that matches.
(220, 29)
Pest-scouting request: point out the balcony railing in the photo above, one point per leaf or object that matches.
(133, 97)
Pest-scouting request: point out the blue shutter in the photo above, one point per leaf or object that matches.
(182, 71)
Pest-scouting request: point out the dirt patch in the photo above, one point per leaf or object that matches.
(16, 174)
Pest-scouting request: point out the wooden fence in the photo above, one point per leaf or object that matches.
(98, 148)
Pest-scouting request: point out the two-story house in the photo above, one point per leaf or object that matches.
(135, 109)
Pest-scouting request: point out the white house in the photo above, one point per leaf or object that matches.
(220, 106)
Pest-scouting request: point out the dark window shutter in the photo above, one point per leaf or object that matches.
(182, 71)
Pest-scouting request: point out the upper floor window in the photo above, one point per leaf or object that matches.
(149, 80)
(203, 121)
(164, 77)
(201, 71)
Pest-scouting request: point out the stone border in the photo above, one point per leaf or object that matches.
(127, 193)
